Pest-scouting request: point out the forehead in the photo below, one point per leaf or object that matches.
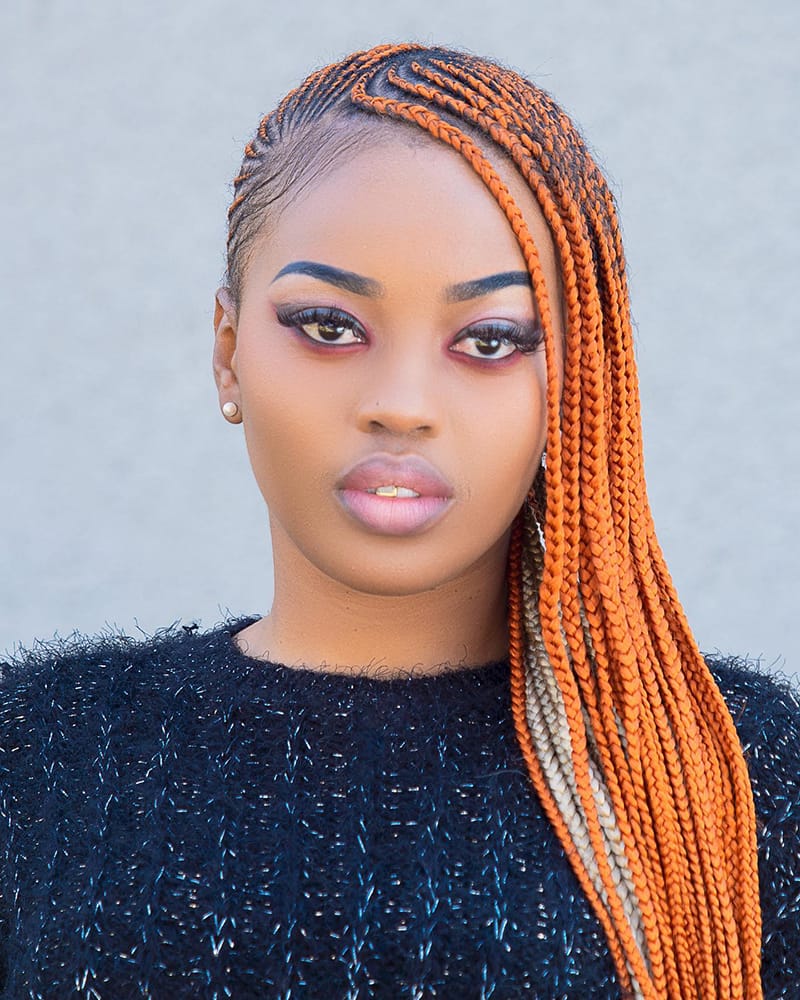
(401, 198)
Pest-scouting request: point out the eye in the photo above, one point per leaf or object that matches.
(484, 346)
(496, 341)
(324, 326)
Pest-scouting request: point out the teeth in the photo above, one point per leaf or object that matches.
(401, 492)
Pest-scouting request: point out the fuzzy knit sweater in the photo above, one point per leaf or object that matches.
(180, 820)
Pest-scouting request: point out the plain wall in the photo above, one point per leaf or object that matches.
(126, 499)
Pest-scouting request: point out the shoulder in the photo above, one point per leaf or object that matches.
(44, 661)
(76, 685)
(766, 712)
(94, 659)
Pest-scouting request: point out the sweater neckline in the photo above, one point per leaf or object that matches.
(454, 676)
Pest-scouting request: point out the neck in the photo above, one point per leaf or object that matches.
(319, 623)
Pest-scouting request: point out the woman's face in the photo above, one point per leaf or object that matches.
(393, 423)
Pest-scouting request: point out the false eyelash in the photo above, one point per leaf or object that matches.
(526, 339)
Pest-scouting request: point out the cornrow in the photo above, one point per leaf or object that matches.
(626, 737)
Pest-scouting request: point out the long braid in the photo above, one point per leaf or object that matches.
(626, 737)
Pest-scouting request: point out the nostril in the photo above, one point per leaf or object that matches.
(379, 427)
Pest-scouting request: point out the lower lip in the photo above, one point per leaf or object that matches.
(393, 515)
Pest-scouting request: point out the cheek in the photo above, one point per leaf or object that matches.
(287, 424)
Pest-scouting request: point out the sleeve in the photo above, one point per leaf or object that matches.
(766, 712)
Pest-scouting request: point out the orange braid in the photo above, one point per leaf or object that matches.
(641, 713)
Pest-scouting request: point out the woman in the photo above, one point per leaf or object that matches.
(425, 334)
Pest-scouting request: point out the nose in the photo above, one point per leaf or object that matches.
(400, 396)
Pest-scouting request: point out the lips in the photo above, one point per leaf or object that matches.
(390, 495)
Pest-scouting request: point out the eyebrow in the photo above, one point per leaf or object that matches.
(348, 280)
(483, 286)
(359, 285)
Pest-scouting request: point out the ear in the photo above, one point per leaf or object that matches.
(225, 348)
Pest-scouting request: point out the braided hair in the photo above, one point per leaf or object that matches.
(626, 737)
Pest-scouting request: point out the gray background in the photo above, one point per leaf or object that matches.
(126, 499)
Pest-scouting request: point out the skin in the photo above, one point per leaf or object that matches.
(416, 221)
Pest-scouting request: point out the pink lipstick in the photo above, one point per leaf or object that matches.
(394, 495)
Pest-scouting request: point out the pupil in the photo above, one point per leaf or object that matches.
(488, 346)
(330, 332)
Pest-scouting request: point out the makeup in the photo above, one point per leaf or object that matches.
(395, 495)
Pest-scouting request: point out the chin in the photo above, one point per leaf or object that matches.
(379, 582)
(406, 577)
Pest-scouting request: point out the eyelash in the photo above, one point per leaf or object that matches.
(524, 339)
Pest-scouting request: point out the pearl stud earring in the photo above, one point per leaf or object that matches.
(230, 411)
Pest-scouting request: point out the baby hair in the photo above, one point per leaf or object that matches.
(627, 739)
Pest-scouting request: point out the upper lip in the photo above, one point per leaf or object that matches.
(411, 471)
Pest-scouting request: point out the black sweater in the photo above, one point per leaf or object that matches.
(180, 820)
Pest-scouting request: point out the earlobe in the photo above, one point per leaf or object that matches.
(225, 355)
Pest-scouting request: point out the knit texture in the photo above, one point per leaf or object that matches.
(180, 820)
